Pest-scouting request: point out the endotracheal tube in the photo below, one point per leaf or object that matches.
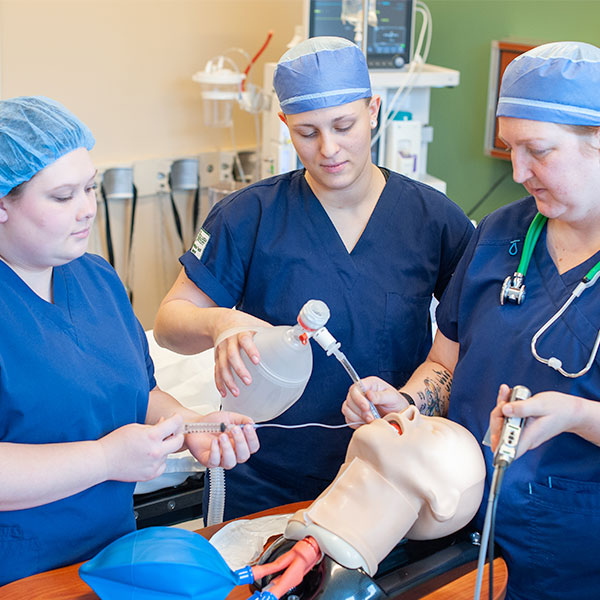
(331, 346)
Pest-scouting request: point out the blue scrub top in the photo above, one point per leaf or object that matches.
(69, 371)
(272, 247)
(548, 516)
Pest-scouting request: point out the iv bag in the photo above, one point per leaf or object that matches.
(352, 13)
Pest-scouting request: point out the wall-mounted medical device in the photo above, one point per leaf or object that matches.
(184, 174)
(390, 25)
(117, 183)
(502, 53)
(403, 145)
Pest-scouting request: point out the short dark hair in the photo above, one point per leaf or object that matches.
(18, 190)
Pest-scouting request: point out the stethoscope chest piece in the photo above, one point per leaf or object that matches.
(513, 289)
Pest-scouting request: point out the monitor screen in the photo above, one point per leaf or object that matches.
(388, 43)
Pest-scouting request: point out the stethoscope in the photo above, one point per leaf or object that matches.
(513, 290)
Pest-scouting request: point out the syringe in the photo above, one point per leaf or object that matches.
(331, 346)
(205, 427)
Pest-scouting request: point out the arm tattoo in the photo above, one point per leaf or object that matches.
(433, 400)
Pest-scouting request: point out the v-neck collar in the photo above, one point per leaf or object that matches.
(321, 220)
(58, 311)
(333, 246)
(570, 277)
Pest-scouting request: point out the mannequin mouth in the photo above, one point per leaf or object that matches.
(396, 426)
(409, 415)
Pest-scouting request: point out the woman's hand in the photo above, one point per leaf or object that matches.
(228, 358)
(384, 396)
(137, 452)
(224, 449)
(548, 414)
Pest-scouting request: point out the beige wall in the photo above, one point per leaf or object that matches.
(125, 67)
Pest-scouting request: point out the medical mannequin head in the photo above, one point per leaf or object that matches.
(406, 475)
(439, 465)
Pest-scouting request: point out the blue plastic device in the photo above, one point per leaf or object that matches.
(161, 563)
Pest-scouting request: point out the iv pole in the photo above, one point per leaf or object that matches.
(365, 14)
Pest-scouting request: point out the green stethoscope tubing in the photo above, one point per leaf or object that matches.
(533, 233)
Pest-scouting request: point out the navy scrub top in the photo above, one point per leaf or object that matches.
(548, 516)
(69, 371)
(271, 247)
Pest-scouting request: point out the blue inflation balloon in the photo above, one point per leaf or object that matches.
(161, 563)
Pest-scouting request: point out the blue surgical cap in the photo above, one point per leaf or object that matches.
(557, 83)
(321, 72)
(35, 132)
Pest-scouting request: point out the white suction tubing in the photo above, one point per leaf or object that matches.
(216, 495)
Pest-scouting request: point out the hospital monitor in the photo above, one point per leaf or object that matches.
(389, 44)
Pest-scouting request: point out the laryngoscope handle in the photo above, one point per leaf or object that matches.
(511, 430)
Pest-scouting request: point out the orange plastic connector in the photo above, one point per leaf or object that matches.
(297, 562)
(303, 338)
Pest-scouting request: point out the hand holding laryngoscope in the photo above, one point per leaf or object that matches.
(548, 414)
(506, 450)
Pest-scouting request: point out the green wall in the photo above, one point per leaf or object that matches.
(462, 35)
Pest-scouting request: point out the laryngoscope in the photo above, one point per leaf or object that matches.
(511, 431)
(504, 455)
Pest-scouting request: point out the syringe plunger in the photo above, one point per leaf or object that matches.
(205, 428)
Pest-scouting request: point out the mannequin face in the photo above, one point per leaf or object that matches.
(405, 475)
(433, 462)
